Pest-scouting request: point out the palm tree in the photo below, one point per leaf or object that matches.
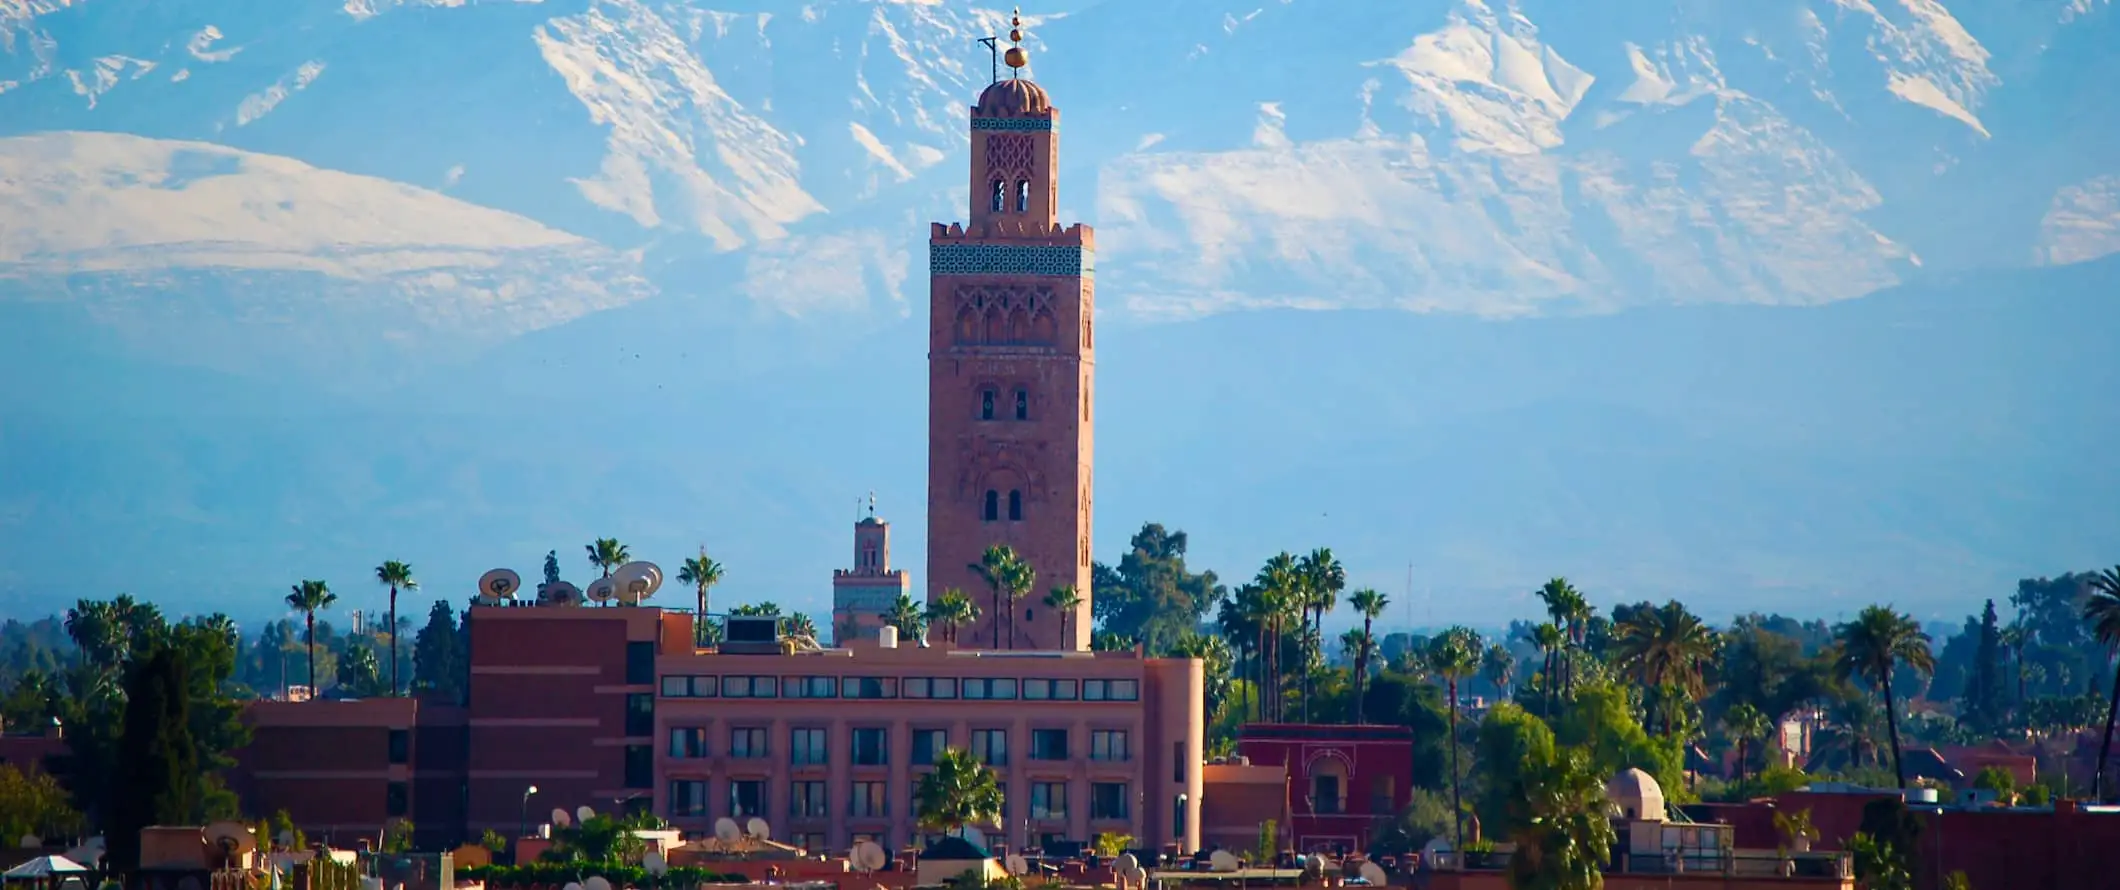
(308, 598)
(1321, 578)
(997, 567)
(959, 792)
(1369, 604)
(906, 617)
(1744, 723)
(1874, 645)
(1280, 590)
(1666, 646)
(1571, 613)
(607, 554)
(2102, 612)
(702, 573)
(1560, 824)
(1242, 619)
(1064, 599)
(1499, 667)
(396, 576)
(951, 609)
(1454, 655)
(799, 625)
(1550, 638)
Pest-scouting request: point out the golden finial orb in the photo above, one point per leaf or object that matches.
(1016, 57)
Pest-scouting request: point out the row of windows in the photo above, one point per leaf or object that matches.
(976, 689)
(871, 746)
(871, 800)
(988, 399)
(991, 511)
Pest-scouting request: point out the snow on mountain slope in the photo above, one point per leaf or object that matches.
(1492, 156)
(172, 241)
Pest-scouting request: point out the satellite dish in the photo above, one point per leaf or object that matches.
(1374, 874)
(868, 857)
(601, 590)
(572, 885)
(233, 838)
(636, 581)
(1016, 864)
(596, 882)
(560, 817)
(655, 863)
(1126, 864)
(584, 814)
(725, 830)
(499, 584)
(560, 593)
(758, 829)
(1222, 860)
(29, 842)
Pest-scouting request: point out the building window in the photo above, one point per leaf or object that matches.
(679, 686)
(869, 801)
(750, 687)
(993, 506)
(811, 842)
(1381, 798)
(806, 747)
(990, 746)
(810, 687)
(1177, 762)
(930, 687)
(1111, 690)
(871, 687)
(688, 797)
(1023, 195)
(1177, 816)
(1000, 194)
(1001, 688)
(1015, 505)
(640, 663)
(747, 742)
(640, 714)
(1107, 800)
(986, 404)
(1048, 690)
(806, 800)
(640, 766)
(1325, 795)
(1048, 800)
(1023, 404)
(1110, 745)
(928, 744)
(747, 797)
(1048, 744)
(396, 799)
(688, 742)
(872, 746)
(400, 746)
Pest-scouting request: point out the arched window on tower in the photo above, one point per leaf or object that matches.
(1023, 195)
(1015, 505)
(986, 404)
(993, 506)
(1023, 404)
(1000, 195)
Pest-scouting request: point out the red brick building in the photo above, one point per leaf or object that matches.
(1342, 782)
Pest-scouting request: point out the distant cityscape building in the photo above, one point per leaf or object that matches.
(863, 594)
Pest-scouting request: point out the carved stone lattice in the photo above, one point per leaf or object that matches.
(1004, 315)
(1009, 157)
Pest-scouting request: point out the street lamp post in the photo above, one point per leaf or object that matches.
(523, 829)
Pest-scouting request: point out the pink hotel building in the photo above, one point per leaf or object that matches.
(617, 707)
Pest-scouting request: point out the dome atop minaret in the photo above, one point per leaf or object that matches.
(1016, 95)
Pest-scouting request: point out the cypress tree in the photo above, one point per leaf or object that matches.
(158, 763)
(1984, 696)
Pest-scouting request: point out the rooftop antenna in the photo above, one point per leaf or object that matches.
(872, 503)
(993, 51)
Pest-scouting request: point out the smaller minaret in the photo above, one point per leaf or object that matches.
(863, 594)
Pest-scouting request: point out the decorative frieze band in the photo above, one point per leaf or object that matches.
(1011, 259)
(1013, 124)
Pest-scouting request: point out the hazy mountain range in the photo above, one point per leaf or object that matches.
(287, 288)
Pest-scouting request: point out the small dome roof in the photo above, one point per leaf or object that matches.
(1014, 96)
(1637, 796)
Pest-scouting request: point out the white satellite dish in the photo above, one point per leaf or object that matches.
(1374, 874)
(497, 585)
(1016, 864)
(636, 581)
(601, 590)
(583, 813)
(1126, 863)
(725, 830)
(867, 856)
(596, 882)
(559, 593)
(560, 818)
(655, 863)
(758, 829)
(233, 839)
(571, 885)
(1223, 860)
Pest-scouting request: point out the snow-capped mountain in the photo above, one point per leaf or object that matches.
(1499, 157)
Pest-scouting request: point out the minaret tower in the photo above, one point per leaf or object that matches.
(1010, 367)
(862, 595)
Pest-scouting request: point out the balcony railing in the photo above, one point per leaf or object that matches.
(1733, 863)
